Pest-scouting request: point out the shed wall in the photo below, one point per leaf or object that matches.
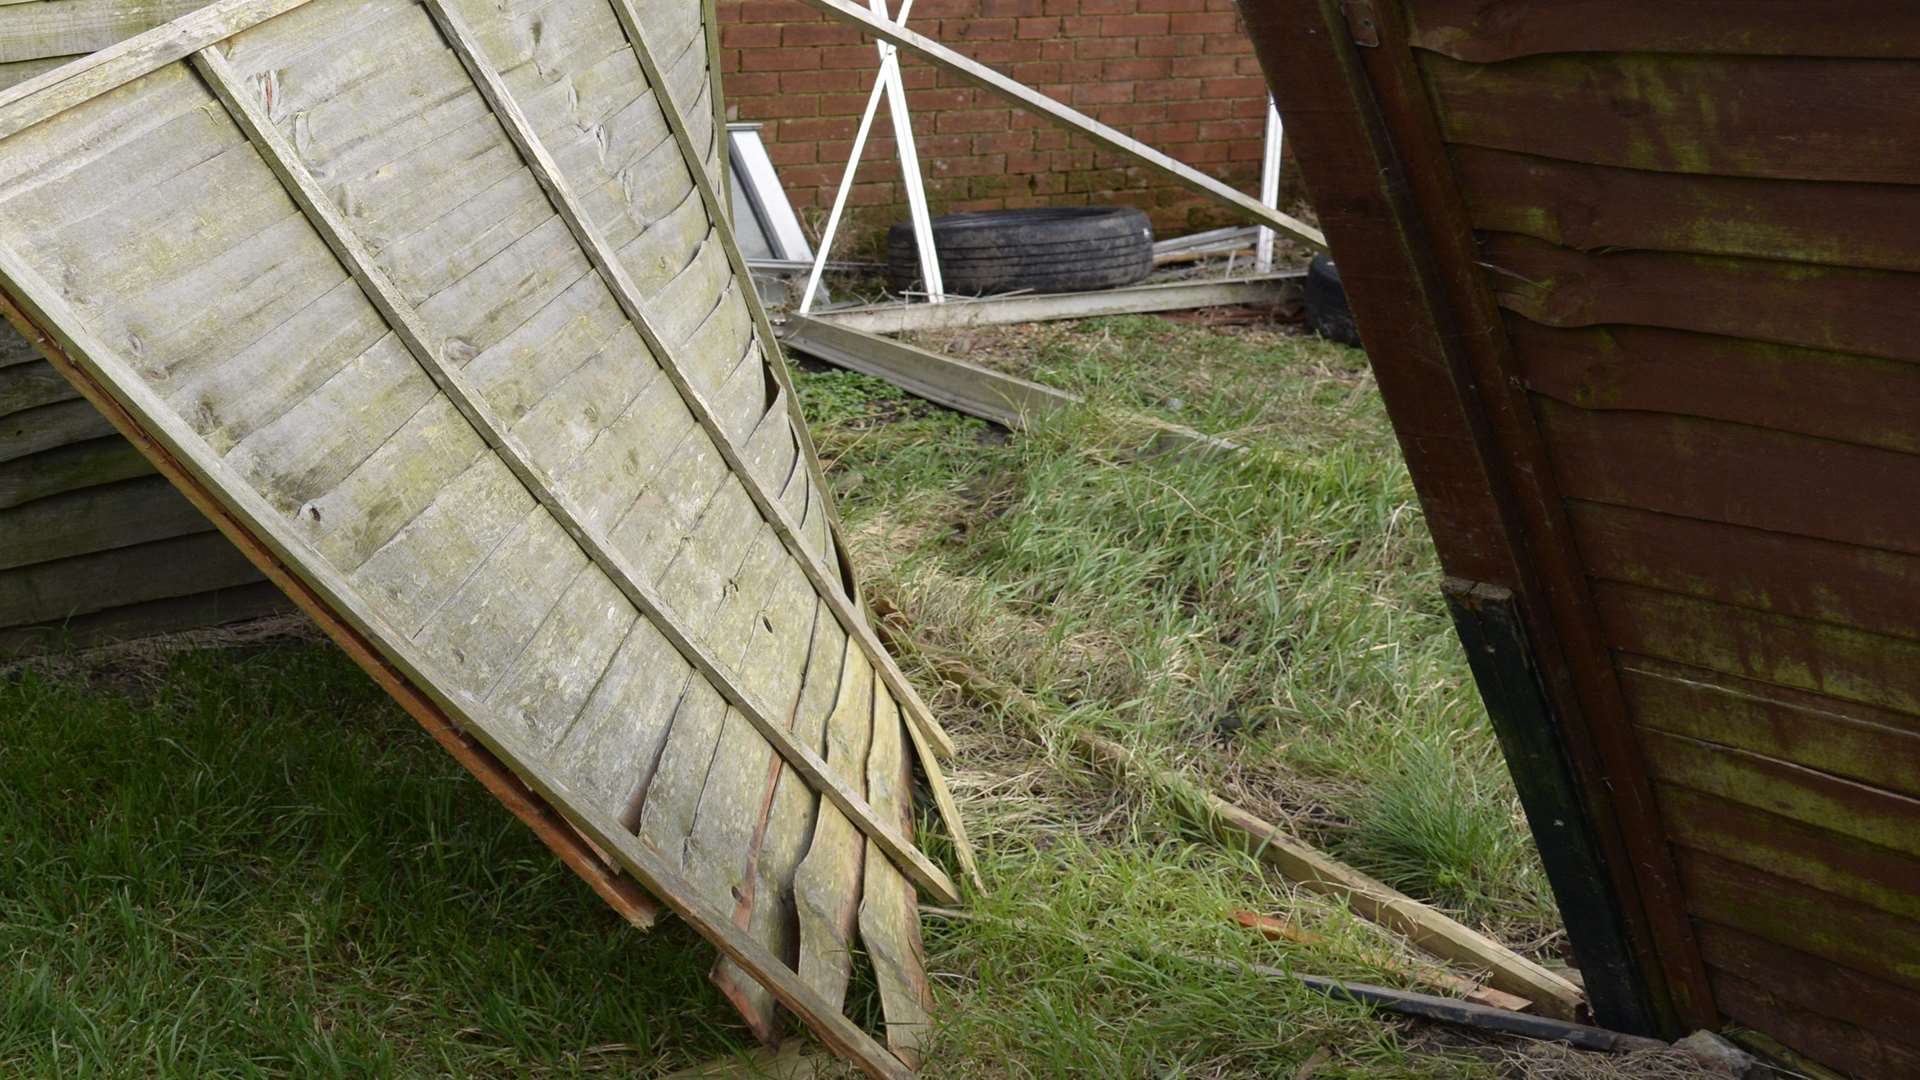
(95, 546)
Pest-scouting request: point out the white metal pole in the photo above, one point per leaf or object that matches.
(1269, 188)
(909, 159)
(840, 195)
(909, 167)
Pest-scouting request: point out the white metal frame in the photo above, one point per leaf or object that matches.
(886, 82)
(892, 34)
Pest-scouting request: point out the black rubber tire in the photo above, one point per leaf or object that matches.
(1327, 309)
(1063, 249)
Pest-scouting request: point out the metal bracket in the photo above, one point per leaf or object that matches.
(1362, 23)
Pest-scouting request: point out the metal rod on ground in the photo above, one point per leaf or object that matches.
(1269, 187)
(1406, 1002)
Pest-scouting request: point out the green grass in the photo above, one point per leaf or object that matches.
(261, 868)
(254, 865)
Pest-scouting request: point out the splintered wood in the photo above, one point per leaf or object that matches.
(431, 306)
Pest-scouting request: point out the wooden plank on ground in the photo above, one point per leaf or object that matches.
(1425, 927)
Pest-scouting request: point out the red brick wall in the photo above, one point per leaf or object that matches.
(1176, 74)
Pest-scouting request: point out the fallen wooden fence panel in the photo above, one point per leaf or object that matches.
(431, 308)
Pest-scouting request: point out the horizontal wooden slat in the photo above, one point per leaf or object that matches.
(1774, 909)
(52, 592)
(47, 28)
(1829, 989)
(1818, 858)
(1487, 30)
(95, 519)
(1772, 571)
(1872, 746)
(1841, 396)
(1600, 207)
(1836, 1042)
(1790, 790)
(197, 611)
(1848, 664)
(1819, 307)
(1737, 474)
(32, 431)
(24, 386)
(97, 461)
(1729, 116)
(28, 103)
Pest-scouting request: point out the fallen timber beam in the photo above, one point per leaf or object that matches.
(1313, 870)
(413, 333)
(1029, 98)
(1042, 307)
(965, 387)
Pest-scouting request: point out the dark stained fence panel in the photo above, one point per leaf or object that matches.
(1788, 118)
(1687, 238)
(1600, 207)
(1491, 30)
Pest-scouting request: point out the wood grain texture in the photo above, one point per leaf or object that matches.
(1851, 665)
(144, 619)
(1852, 935)
(24, 386)
(95, 519)
(1754, 116)
(1736, 474)
(422, 524)
(1489, 30)
(1599, 208)
(1873, 746)
(96, 461)
(1837, 309)
(830, 877)
(1786, 789)
(1830, 989)
(60, 590)
(1821, 858)
(1841, 396)
(70, 28)
(889, 919)
(495, 621)
(1846, 584)
(1773, 1008)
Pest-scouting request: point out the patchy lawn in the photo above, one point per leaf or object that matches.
(248, 862)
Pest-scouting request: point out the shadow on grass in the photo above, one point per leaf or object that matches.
(260, 867)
